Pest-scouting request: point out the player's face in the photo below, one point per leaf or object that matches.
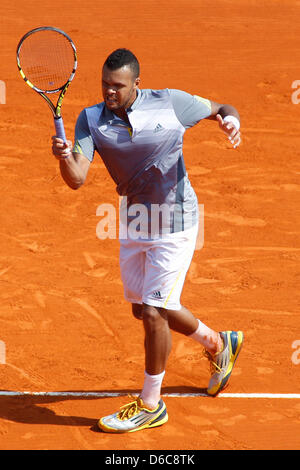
(119, 87)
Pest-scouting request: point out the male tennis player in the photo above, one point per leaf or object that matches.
(139, 135)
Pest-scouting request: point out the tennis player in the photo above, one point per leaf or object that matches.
(139, 136)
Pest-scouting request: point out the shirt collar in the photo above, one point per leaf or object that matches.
(110, 116)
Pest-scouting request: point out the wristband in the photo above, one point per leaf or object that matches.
(232, 119)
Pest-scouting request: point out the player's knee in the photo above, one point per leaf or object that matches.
(137, 311)
(153, 316)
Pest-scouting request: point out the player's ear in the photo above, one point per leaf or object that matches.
(137, 82)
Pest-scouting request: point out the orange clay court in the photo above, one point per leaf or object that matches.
(63, 318)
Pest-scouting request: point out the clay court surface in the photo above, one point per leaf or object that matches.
(63, 318)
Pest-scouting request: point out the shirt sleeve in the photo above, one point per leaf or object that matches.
(189, 109)
(83, 141)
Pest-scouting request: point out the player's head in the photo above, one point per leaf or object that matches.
(120, 79)
(123, 57)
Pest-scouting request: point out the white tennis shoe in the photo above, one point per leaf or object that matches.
(133, 417)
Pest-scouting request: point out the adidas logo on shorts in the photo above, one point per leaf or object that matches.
(157, 294)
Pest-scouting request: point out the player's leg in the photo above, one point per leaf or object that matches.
(158, 343)
(148, 410)
(137, 311)
(184, 322)
(221, 348)
(181, 321)
(166, 263)
(163, 284)
(136, 415)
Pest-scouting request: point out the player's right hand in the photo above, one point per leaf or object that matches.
(60, 149)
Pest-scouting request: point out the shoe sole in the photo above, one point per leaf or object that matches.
(158, 421)
(240, 340)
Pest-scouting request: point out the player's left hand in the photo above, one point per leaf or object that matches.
(230, 130)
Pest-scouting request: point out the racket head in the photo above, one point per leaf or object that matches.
(47, 59)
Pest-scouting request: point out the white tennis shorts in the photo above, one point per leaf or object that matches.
(153, 271)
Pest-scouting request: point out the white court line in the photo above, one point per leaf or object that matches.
(8, 393)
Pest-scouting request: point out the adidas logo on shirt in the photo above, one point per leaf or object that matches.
(157, 294)
(158, 128)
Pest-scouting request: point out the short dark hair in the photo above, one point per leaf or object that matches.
(121, 57)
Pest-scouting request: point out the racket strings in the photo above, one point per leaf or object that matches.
(47, 59)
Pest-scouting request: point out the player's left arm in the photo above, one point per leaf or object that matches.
(191, 109)
(228, 119)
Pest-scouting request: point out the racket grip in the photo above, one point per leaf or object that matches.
(59, 128)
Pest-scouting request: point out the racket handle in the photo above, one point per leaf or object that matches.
(59, 128)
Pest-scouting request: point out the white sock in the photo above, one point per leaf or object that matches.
(151, 389)
(207, 337)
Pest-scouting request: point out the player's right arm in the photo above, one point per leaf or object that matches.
(74, 162)
(73, 166)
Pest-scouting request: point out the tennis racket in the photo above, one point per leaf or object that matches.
(47, 61)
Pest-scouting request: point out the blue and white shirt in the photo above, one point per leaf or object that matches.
(145, 160)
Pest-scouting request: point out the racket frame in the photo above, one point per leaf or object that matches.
(56, 110)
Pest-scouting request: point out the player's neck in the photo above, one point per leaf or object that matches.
(122, 114)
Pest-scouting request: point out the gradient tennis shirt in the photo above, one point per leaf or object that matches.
(145, 160)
